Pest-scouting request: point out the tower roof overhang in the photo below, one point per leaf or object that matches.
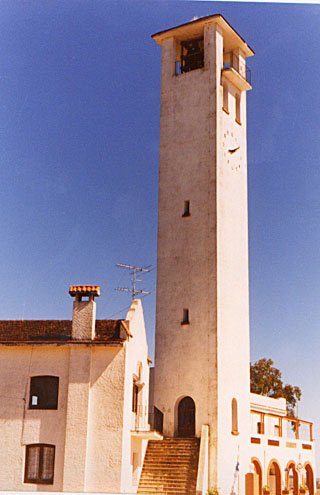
(194, 29)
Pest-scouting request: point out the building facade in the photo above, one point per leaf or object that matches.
(74, 401)
(282, 449)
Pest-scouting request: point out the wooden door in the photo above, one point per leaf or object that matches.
(186, 418)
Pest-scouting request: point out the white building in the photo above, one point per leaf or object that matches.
(282, 449)
(74, 413)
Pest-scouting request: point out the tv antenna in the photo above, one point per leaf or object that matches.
(134, 280)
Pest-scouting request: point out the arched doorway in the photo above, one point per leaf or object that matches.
(274, 478)
(292, 482)
(258, 477)
(309, 478)
(186, 417)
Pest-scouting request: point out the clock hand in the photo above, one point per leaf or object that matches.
(234, 150)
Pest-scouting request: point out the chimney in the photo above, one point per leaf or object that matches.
(84, 311)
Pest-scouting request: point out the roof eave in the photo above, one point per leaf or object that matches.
(218, 18)
(21, 343)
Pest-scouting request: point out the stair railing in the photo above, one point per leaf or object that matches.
(148, 418)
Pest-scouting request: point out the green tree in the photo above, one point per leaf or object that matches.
(266, 380)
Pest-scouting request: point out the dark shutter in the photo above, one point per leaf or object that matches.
(39, 464)
(47, 465)
(32, 462)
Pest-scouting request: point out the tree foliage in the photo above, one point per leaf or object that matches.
(266, 380)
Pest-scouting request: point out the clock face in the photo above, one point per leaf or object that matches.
(232, 152)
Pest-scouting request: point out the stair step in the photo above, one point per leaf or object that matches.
(170, 467)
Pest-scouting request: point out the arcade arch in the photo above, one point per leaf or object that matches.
(258, 475)
(274, 478)
(292, 481)
(309, 478)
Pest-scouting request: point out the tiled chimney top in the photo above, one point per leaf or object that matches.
(80, 291)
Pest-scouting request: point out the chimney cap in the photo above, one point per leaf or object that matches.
(84, 290)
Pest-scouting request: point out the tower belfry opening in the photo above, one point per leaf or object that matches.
(192, 55)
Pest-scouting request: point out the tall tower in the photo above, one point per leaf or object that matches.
(202, 321)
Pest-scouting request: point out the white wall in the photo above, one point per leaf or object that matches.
(136, 350)
(203, 260)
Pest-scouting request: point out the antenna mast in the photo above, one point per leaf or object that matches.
(134, 270)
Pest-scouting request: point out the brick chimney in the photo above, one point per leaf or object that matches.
(84, 311)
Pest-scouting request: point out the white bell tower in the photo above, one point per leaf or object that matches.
(202, 322)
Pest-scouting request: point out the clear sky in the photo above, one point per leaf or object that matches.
(79, 140)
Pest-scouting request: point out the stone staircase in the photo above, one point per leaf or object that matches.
(170, 467)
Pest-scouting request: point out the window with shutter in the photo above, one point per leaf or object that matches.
(39, 467)
(44, 392)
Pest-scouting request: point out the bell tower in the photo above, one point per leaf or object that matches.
(202, 320)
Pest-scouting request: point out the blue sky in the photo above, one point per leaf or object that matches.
(79, 139)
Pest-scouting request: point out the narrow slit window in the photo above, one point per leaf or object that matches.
(238, 109)
(225, 98)
(185, 317)
(234, 417)
(135, 396)
(186, 209)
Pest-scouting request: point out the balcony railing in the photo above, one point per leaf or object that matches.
(147, 419)
(276, 429)
(232, 61)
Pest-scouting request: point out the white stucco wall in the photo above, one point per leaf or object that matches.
(20, 426)
(105, 425)
(203, 259)
(136, 352)
(91, 429)
(233, 339)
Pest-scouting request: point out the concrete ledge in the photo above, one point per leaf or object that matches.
(202, 477)
(147, 435)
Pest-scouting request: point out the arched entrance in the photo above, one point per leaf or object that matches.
(258, 477)
(186, 417)
(274, 478)
(292, 481)
(309, 479)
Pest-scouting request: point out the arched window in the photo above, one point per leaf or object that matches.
(135, 397)
(44, 392)
(234, 417)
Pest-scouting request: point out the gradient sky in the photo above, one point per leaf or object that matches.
(79, 141)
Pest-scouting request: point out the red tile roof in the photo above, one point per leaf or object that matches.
(59, 330)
